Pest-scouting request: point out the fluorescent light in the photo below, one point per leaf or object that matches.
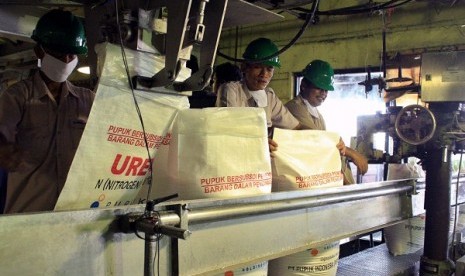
(84, 70)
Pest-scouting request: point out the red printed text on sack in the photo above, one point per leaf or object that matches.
(235, 182)
(130, 165)
(128, 136)
(318, 179)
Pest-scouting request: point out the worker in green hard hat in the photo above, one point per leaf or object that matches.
(260, 60)
(43, 117)
(253, 90)
(317, 81)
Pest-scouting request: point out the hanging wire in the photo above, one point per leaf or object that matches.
(456, 136)
(136, 104)
(456, 206)
(157, 256)
(308, 19)
(369, 7)
(126, 67)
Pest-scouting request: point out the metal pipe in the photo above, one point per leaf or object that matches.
(174, 232)
(284, 201)
(149, 256)
(219, 213)
(437, 205)
(435, 259)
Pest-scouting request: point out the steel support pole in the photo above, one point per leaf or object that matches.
(435, 258)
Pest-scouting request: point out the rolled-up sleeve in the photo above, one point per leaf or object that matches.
(11, 105)
(280, 115)
(231, 95)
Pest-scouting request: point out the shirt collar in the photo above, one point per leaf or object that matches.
(67, 89)
(247, 91)
(250, 98)
(311, 109)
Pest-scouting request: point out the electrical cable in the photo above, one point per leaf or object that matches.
(358, 9)
(396, 5)
(308, 19)
(136, 232)
(456, 135)
(99, 3)
(456, 207)
(456, 121)
(136, 104)
(158, 258)
(126, 67)
(154, 258)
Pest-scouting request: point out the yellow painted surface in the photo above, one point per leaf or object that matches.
(354, 41)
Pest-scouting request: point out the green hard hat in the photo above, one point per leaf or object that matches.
(261, 48)
(320, 74)
(60, 31)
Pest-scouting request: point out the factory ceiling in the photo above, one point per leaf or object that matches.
(18, 18)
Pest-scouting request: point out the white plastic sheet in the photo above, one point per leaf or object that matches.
(220, 152)
(111, 164)
(408, 236)
(306, 159)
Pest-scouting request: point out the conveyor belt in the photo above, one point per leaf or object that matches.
(226, 233)
(377, 261)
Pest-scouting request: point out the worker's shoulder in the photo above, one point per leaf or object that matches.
(232, 86)
(18, 88)
(80, 89)
(21, 84)
(270, 90)
(231, 90)
(292, 103)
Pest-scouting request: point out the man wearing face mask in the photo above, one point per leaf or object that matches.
(42, 118)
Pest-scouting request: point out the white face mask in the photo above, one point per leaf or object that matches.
(55, 69)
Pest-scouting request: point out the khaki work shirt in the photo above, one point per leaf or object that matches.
(298, 108)
(236, 94)
(48, 133)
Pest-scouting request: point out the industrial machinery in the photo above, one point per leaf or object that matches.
(201, 237)
(171, 29)
(430, 133)
(198, 237)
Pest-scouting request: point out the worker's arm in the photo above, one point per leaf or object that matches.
(341, 146)
(274, 146)
(11, 157)
(299, 127)
(11, 113)
(359, 159)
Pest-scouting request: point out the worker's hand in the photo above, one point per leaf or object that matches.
(11, 157)
(341, 147)
(273, 146)
(361, 162)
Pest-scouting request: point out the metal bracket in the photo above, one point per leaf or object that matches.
(150, 222)
(181, 35)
